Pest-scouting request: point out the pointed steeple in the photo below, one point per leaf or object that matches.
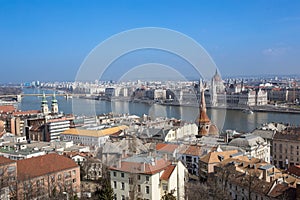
(44, 100)
(54, 104)
(204, 124)
(44, 106)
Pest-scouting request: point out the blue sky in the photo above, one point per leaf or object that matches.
(48, 40)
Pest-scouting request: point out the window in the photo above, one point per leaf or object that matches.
(147, 178)
(139, 177)
(130, 181)
(122, 186)
(115, 196)
(165, 187)
(147, 190)
(59, 177)
(195, 159)
(123, 197)
(74, 180)
(42, 181)
(67, 174)
(139, 188)
(115, 184)
(115, 174)
(11, 169)
(74, 172)
(122, 175)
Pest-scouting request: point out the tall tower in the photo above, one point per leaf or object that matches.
(205, 127)
(44, 106)
(54, 105)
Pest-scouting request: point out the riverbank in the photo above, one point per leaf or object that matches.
(264, 108)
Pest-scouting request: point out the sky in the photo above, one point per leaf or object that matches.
(48, 40)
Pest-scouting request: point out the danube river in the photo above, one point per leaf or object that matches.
(225, 119)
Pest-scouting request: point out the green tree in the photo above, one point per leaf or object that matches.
(104, 190)
(169, 195)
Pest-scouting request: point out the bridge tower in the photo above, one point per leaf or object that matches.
(44, 106)
(54, 105)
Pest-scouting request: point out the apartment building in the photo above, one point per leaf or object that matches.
(286, 144)
(91, 138)
(47, 176)
(8, 176)
(147, 177)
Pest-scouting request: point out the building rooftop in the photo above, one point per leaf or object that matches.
(94, 133)
(142, 164)
(216, 157)
(4, 160)
(167, 173)
(7, 108)
(164, 147)
(247, 141)
(42, 165)
(290, 134)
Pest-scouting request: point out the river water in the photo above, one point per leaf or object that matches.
(225, 119)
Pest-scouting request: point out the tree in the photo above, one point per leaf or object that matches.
(104, 191)
(169, 195)
(197, 191)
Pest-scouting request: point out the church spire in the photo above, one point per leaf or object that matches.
(44, 106)
(205, 127)
(54, 104)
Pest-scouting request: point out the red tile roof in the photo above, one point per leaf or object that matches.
(142, 168)
(7, 109)
(41, 165)
(294, 170)
(27, 112)
(4, 160)
(167, 173)
(278, 190)
(166, 147)
(214, 157)
(192, 150)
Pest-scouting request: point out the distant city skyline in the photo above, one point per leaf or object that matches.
(48, 40)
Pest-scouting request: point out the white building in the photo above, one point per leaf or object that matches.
(147, 177)
(253, 145)
(91, 138)
(55, 127)
(183, 131)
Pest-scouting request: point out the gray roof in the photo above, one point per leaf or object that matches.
(141, 158)
(266, 134)
(248, 140)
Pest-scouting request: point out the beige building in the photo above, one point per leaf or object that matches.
(92, 138)
(147, 177)
(40, 177)
(210, 160)
(253, 146)
(242, 178)
(8, 176)
(286, 146)
(47, 176)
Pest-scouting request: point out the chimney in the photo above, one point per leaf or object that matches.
(142, 167)
(265, 175)
(153, 161)
(226, 138)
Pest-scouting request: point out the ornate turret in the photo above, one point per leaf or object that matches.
(44, 106)
(205, 127)
(54, 105)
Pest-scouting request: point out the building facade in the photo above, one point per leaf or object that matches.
(286, 144)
